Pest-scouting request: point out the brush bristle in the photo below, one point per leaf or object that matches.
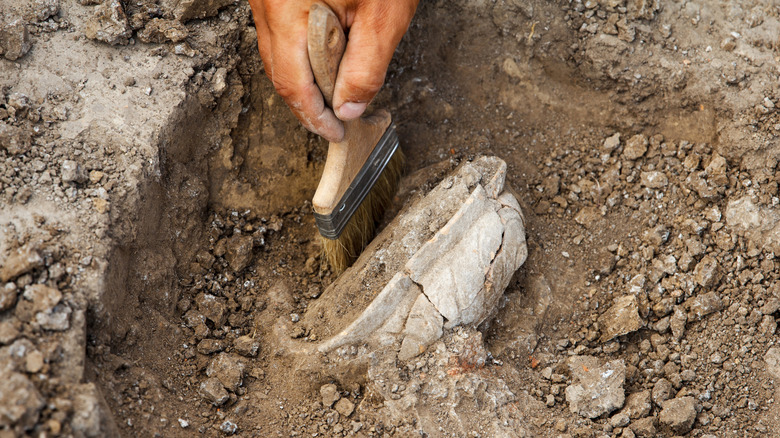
(342, 252)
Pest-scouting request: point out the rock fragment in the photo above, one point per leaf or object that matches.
(14, 39)
(212, 390)
(186, 10)
(620, 319)
(772, 359)
(612, 143)
(158, 31)
(109, 24)
(704, 304)
(662, 391)
(8, 332)
(238, 251)
(228, 369)
(8, 294)
(599, 389)
(654, 179)
(73, 172)
(345, 407)
(14, 139)
(246, 346)
(20, 262)
(707, 272)
(638, 404)
(212, 308)
(636, 146)
(678, 414)
(330, 394)
(20, 402)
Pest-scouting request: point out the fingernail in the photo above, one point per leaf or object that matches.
(350, 110)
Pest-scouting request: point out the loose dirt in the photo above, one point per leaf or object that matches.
(148, 251)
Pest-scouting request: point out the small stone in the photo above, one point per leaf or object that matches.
(638, 405)
(345, 407)
(33, 362)
(213, 391)
(621, 419)
(678, 414)
(238, 251)
(73, 172)
(57, 319)
(14, 139)
(212, 308)
(636, 146)
(677, 322)
(20, 402)
(662, 391)
(330, 394)
(622, 318)
(20, 262)
(772, 359)
(14, 39)
(158, 31)
(43, 297)
(612, 143)
(246, 346)
(702, 305)
(645, 427)
(728, 44)
(599, 389)
(210, 346)
(707, 272)
(8, 296)
(654, 179)
(109, 24)
(228, 369)
(228, 427)
(8, 332)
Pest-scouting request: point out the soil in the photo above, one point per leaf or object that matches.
(158, 194)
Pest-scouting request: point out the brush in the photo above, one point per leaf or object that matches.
(362, 171)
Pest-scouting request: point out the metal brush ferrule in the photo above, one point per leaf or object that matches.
(332, 224)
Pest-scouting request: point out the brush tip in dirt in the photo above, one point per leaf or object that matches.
(344, 250)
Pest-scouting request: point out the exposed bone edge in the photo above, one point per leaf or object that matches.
(384, 320)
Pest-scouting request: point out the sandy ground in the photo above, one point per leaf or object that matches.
(156, 224)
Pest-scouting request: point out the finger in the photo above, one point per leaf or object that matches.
(263, 36)
(376, 30)
(291, 72)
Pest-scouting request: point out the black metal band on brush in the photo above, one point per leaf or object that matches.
(332, 224)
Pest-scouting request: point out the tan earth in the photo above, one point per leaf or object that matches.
(155, 224)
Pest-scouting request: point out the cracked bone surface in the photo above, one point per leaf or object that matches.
(444, 261)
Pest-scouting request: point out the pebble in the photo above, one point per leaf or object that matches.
(228, 427)
(228, 369)
(345, 407)
(612, 143)
(246, 346)
(8, 296)
(8, 332)
(330, 394)
(20, 401)
(599, 389)
(33, 362)
(662, 391)
(620, 319)
(636, 147)
(20, 262)
(210, 346)
(212, 390)
(707, 272)
(72, 172)
(678, 414)
(238, 251)
(638, 405)
(703, 305)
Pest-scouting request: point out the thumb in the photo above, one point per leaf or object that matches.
(376, 30)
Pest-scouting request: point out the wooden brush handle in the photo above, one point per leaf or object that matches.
(326, 44)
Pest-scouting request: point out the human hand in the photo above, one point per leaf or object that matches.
(375, 27)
